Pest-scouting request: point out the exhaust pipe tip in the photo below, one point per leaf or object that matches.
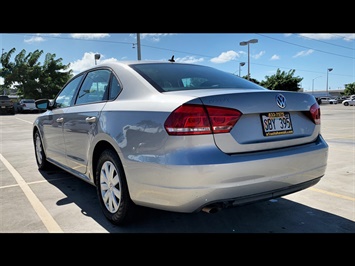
(211, 209)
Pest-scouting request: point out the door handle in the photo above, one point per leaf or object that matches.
(91, 119)
(60, 120)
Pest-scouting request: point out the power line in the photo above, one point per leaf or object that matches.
(208, 56)
(306, 47)
(333, 44)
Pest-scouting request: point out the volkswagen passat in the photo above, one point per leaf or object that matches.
(179, 137)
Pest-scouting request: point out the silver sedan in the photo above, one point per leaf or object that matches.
(179, 137)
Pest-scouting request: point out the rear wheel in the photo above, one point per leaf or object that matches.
(41, 158)
(346, 103)
(112, 189)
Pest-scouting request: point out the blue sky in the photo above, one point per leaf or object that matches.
(311, 55)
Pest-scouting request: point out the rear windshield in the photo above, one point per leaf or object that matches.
(178, 76)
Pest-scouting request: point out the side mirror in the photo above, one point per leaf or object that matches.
(43, 104)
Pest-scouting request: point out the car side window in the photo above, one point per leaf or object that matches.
(65, 97)
(94, 87)
(115, 88)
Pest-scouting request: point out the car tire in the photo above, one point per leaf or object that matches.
(41, 158)
(112, 189)
(346, 103)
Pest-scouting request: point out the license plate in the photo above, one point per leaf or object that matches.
(276, 123)
(2, 106)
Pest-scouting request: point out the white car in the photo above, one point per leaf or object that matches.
(349, 102)
(328, 100)
(28, 105)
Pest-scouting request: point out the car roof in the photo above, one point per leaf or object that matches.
(130, 62)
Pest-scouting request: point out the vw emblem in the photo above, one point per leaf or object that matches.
(281, 101)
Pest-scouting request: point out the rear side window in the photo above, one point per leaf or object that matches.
(114, 89)
(94, 87)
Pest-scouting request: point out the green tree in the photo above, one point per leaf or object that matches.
(349, 89)
(30, 78)
(24, 76)
(6, 69)
(53, 76)
(282, 81)
(251, 79)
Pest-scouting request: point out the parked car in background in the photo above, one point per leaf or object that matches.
(349, 102)
(340, 99)
(6, 105)
(17, 106)
(328, 100)
(179, 137)
(28, 106)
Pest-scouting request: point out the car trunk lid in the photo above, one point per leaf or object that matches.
(270, 120)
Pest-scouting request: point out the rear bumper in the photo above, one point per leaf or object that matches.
(236, 179)
(7, 109)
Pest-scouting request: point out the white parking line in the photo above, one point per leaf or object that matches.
(24, 120)
(42, 212)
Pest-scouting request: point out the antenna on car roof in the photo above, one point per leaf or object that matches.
(172, 59)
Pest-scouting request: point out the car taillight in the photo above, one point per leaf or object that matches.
(314, 113)
(190, 119)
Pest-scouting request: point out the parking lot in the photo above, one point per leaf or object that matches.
(56, 202)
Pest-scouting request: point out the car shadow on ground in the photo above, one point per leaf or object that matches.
(273, 216)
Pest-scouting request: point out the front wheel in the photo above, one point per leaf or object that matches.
(112, 189)
(346, 103)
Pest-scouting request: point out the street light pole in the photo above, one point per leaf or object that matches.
(328, 70)
(240, 65)
(247, 43)
(313, 83)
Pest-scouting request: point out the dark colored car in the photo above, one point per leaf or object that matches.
(6, 105)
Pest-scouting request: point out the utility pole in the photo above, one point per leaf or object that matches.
(328, 70)
(138, 46)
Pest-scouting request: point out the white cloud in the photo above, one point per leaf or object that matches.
(34, 39)
(87, 61)
(257, 56)
(89, 36)
(225, 57)
(39, 37)
(329, 36)
(275, 57)
(154, 37)
(303, 53)
(188, 59)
